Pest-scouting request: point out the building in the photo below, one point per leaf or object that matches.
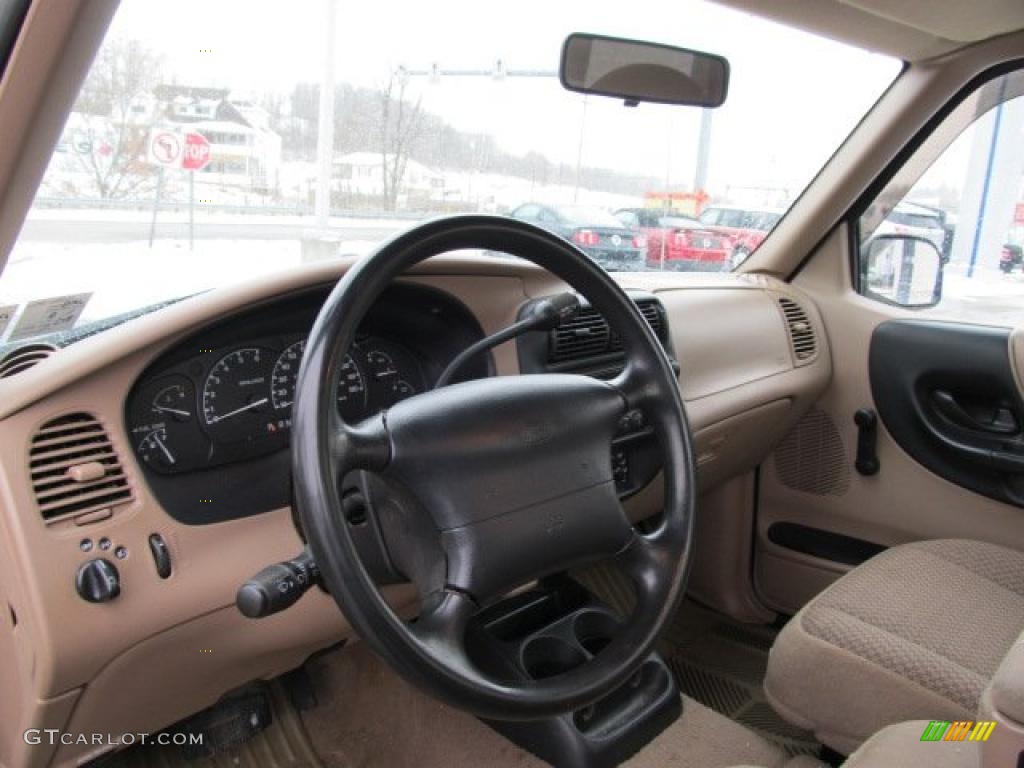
(361, 174)
(244, 151)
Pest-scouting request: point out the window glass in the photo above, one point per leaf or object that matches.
(630, 219)
(960, 200)
(418, 118)
(710, 216)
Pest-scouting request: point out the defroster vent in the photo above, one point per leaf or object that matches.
(75, 468)
(23, 358)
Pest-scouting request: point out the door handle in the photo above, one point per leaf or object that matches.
(1000, 459)
(1001, 420)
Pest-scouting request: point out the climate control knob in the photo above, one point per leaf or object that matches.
(98, 581)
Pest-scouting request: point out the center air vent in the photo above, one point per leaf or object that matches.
(75, 468)
(23, 358)
(801, 332)
(587, 335)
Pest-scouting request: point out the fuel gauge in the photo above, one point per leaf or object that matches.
(402, 389)
(380, 364)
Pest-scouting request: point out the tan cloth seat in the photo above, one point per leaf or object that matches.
(914, 633)
(900, 746)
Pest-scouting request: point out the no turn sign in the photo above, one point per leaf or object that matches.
(189, 151)
(165, 148)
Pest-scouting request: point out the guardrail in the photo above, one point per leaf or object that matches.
(58, 203)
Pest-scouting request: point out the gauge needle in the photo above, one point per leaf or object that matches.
(167, 453)
(237, 411)
(173, 411)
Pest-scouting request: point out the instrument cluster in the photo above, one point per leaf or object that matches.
(231, 404)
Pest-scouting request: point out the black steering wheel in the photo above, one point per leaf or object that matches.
(506, 480)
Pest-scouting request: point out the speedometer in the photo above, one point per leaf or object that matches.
(351, 387)
(286, 371)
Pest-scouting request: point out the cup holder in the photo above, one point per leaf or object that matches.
(547, 656)
(595, 630)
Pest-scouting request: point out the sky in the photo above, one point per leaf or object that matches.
(793, 97)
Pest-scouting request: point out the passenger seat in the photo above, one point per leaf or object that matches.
(917, 632)
(900, 746)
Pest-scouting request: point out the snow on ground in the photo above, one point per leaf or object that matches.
(126, 276)
(984, 284)
(123, 276)
(180, 215)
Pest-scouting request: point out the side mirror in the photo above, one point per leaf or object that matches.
(637, 71)
(903, 270)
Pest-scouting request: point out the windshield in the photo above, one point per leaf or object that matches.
(213, 142)
(579, 216)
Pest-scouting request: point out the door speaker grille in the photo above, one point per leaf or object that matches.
(811, 457)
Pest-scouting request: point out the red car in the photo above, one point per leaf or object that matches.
(678, 242)
(746, 227)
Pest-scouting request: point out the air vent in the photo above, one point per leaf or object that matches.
(23, 358)
(588, 335)
(75, 468)
(801, 333)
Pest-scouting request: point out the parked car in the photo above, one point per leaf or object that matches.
(920, 221)
(645, 219)
(745, 227)
(599, 234)
(1012, 256)
(679, 242)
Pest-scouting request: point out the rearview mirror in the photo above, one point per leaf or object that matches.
(637, 71)
(902, 270)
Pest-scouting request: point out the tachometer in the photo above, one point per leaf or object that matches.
(351, 387)
(236, 395)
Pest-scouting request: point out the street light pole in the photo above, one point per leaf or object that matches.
(579, 151)
(325, 130)
(700, 175)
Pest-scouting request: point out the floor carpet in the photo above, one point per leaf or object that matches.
(717, 662)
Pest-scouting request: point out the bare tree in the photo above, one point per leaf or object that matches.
(399, 129)
(111, 138)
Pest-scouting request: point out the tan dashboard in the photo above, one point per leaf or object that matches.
(753, 355)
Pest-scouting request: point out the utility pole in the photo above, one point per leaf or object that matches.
(700, 174)
(325, 131)
(579, 152)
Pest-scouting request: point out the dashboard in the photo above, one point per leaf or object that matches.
(222, 399)
(222, 507)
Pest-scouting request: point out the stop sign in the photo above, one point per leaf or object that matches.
(196, 154)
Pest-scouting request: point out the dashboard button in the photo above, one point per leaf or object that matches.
(98, 581)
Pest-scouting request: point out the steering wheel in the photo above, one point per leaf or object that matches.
(505, 480)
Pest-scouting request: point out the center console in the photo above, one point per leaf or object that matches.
(555, 628)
